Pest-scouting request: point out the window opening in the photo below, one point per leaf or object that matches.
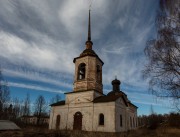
(101, 119)
(120, 120)
(81, 71)
(99, 73)
(58, 121)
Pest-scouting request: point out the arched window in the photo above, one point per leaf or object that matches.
(98, 73)
(58, 121)
(101, 119)
(121, 121)
(81, 71)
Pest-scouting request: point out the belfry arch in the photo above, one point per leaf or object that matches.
(81, 71)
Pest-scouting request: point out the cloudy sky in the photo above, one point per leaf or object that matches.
(40, 38)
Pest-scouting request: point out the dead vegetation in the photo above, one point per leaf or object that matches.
(162, 131)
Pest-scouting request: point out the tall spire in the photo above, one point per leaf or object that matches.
(89, 43)
(89, 27)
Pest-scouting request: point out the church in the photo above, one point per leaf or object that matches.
(87, 107)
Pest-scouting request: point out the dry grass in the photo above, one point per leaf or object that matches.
(143, 132)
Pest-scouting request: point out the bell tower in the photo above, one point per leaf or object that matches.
(88, 68)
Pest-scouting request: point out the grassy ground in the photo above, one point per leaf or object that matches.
(142, 132)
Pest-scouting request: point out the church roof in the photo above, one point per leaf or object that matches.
(59, 103)
(132, 105)
(109, 98)
(88, 52)
(116, 81)
(116, 92)
(83, 91)
(105, 99)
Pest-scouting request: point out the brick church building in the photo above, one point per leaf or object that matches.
(86, 107)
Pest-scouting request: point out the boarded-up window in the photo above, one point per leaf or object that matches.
(101, 119)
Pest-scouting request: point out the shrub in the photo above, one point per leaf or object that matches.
(174, 120)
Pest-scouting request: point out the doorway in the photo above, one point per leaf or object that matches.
(77, 121)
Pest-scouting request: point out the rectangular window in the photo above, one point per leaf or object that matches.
(121, 121)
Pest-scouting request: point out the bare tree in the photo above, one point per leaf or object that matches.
(17, 107)
(40, 108)
(163, 53)
(152, 110)
(55, 99)
(26, 106)
(153, 119)
(4, 92)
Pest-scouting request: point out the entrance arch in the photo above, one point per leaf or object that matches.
(77, 125)
(58, 122)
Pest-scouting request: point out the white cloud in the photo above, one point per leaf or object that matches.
(36, 76)
(47, 54)
(34, 87)
(47, 35)
(148, 99)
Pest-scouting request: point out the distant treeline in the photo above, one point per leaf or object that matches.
(154, 120)
(14, 108)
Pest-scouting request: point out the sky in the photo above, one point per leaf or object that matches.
(40, 38)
